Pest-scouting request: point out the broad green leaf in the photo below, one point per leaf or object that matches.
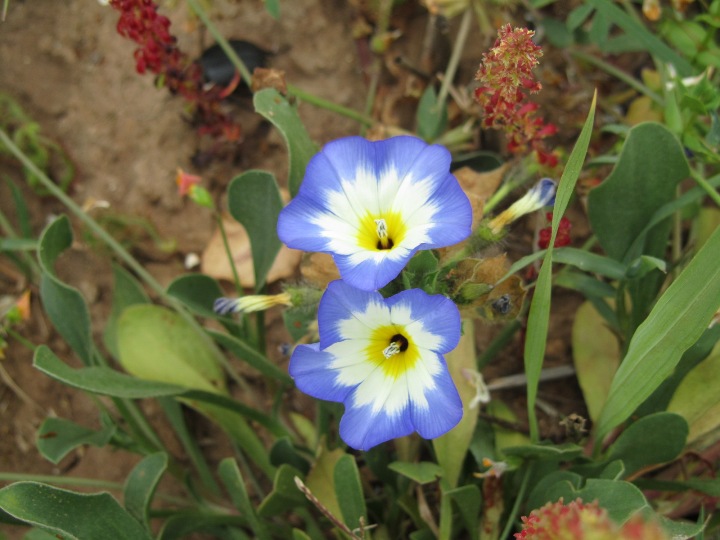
(596, 356)
(140, 486)
(180, 526)
(696, 398)
(539, 315)
(675, 323)
(57, 437)
(299, 535)
(621, 499)
(423, 472)
(349, 492)
(74, 516)
(431, 119)
(655, 439)
(540, 494)
(254, 201)
(251, 356)
(468, 500)
(276, 109)
(126, 292)
(620, 207)
(660, 399)
(451, 448)
(321, 478)
(273, 8)
(156, 344)
(285, 494)
(108, 382)
(283, 452)
(235, 484)
(196, 291)
(63, 304)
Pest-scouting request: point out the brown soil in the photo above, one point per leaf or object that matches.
(64, 63)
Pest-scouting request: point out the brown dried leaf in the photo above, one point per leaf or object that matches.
(319, 269)
(216, 264)
(479, 187)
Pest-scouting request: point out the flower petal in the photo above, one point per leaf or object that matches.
(346, 312)
(433, 321)
(444, 407)
(309, 367)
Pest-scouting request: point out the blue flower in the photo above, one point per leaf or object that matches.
(539, 196)
(372, 205)
(383, 359)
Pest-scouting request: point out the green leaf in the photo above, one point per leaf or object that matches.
(620, 499)
(540, 494)
(57, 437)
(451, 448)
(349, 492)
(247, 354)
(140, 486)
(644, 265)
(254, 201)
(276, 109)
(655, 439)
(127, 292)
(424, 472)
(283, 452)
(650, 41)
(285, 494)
(545, 452)
(196, 291)
(539, 315)
(675, 323)
(75, 516)
(321, 478)
(179, 526)
(235, 485)
(468, 500)
(596, 356)
(108, 382)
(431, 119)
(273, 8)
(64, 305)
(620, 207)
(696, 397)
(157, 344)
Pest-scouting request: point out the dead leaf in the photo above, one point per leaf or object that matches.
(319, 269)
(215, 262)
(479, 187)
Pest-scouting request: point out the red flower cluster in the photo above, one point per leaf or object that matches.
(563, 234)
(506, 80)
(159, 54)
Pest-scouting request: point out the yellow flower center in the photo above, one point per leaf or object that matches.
(377, 233)
(391, 350)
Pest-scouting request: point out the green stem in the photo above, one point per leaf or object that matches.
(382, 27)
(9, 232)
(454, 61)
(512, 516)
(503, 191)
(228, 253)
(619, 74)
(329, 105)
(20, 339)
(703, 183)
(222, 42)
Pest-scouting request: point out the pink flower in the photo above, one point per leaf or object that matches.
(186, 182)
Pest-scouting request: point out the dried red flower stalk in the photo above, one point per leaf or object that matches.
(581, 521)
(506, 80)
(159, 54)
(563, 234)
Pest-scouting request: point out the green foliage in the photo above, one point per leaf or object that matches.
(254, 200)
(72, 515)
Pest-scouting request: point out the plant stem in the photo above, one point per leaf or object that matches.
(228, 253)
(222, 42)
(329, 105)
(458, 48)
(619, 74)
(382, 27)
(712, 193)
(512, 516)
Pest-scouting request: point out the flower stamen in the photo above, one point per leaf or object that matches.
(398, 344)
(384, 241)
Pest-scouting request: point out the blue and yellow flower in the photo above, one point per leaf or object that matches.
(372, 205)
(383, 359)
